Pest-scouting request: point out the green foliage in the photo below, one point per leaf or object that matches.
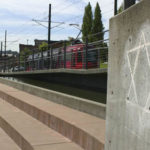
(92, 26)
(43, 46)
(103, 65)
(120, 9)
(25, 53)
(70, 40)
(97, 25)
(87, 21)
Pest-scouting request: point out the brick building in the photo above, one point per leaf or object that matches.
(36, 45)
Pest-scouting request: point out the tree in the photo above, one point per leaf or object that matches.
(87, 21)
(43, 46)
(97, 25)
(71, 39)
(120, 9)
(25, 53)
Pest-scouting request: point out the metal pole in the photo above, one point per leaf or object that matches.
(42, 63)
(115, 7)
(5, 50)
(86, 53)
(1, 56)
(48, 59)
(13, 61)
(8, 64)
(5, 41)
(1, 49)
(64, 54)
(128, 3)
(19, 61)
(51, 59)
(24, 62)
(33, 60)
(79, 34)
(27, 41)
(49, 27)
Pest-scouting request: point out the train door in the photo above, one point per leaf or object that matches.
(68, 57)
(79, 59)
(73, 58)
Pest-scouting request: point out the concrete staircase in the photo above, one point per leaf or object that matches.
(6, 143)
(38, 124)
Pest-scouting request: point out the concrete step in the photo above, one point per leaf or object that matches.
(29, 133)
(6, 143)
(85, 130)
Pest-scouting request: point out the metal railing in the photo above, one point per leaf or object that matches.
(84, 55)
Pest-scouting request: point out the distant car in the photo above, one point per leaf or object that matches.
(17, 68)
(21, 68)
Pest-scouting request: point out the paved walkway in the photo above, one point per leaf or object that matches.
(83, 129)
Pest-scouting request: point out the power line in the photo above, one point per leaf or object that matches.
(71, 4)
(58, 30)
(29, 35)
(38, 22)
(70, 19)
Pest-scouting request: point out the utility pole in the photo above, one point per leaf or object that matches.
(5, 41)
(27, 41)
(1, 49)
(49, 27)
(115, 7)
(5, 51)
(128, 3)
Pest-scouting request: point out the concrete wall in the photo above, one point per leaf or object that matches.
(95, 82)
(92, 79)
(128, 102)
(83, 105)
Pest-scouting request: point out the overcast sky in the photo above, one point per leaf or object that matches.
(16, 17)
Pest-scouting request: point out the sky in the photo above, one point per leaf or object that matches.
(16, 17)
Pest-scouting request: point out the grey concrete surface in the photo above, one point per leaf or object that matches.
(85, 130)
(6, 143)
(128, 97)
(92, 79)
(73, 71)
(29, 133)
(77, 103)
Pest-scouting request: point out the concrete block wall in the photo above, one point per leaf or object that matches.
(83, 105)
(128, 98)
(85, 130)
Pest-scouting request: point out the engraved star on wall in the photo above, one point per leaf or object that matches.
(139, 64)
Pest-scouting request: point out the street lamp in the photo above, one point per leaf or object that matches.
(77, 26)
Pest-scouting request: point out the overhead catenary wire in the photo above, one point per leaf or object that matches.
(63, 28)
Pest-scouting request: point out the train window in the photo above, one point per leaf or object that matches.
(68, 56)
(73, 59)
(79, 56)
(92, 56)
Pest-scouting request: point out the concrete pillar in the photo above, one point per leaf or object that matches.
(128, 98)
